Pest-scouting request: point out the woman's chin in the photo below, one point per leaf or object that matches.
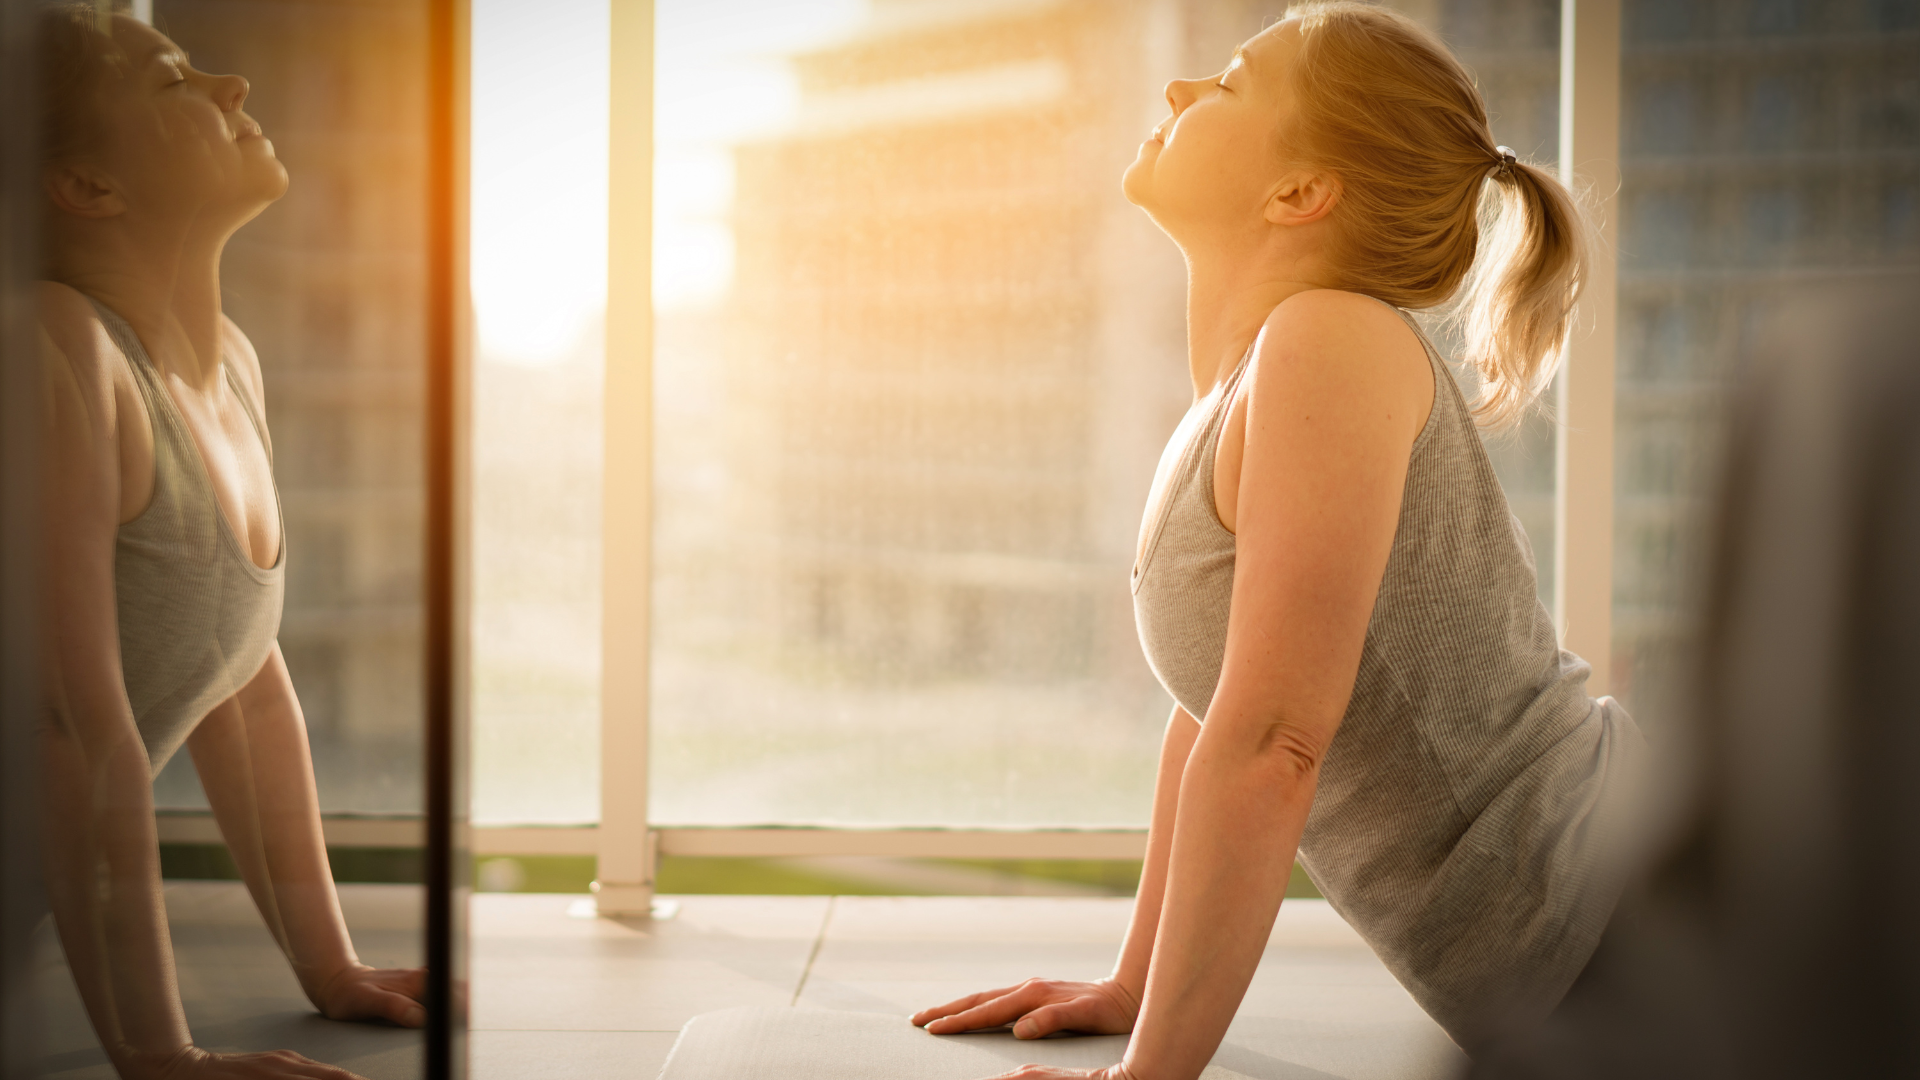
(265, 181)
(1135, 181)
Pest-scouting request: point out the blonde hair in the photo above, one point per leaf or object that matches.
(1387, 109)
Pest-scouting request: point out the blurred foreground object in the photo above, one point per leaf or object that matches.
(1778, 933)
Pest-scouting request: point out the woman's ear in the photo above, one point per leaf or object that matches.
(1301, 198)
(83, 191)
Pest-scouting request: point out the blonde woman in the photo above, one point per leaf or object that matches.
(1329, 582)
(166, 560)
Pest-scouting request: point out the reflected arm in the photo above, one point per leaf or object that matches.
(101, 847)
(252, 756)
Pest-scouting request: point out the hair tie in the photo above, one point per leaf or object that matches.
(1505, 165)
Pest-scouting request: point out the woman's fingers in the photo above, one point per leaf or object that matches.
(401, 1009)
(1011, 1005)
(409, 981)
(998, 1012)
(925, 1016)
(1060, 1016)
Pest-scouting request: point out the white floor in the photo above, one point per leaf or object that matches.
(558, 996)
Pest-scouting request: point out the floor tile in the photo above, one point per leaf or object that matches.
(568, 1055)
(535, 967)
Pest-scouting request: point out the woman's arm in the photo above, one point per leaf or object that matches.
(1176, 747)
(1040, 1007)
(252, 756)
(1338, 394)
(101, 847)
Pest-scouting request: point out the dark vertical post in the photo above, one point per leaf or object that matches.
(444, 669)
(20, 899)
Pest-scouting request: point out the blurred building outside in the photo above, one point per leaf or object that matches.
(900, 464)
(1767, 145)
(329, 284)
(901, 454)
(900, 473)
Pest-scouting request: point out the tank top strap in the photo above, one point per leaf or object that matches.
(1207, 446)
(144, 372)
(246, 403)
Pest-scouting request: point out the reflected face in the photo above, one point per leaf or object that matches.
(176, 138)
(1217, 156)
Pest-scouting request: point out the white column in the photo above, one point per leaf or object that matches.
(625, 885)
(1583, 513)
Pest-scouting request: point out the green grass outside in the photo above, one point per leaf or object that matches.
(676, 873)
(211, 862)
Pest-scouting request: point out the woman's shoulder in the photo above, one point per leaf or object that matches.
(1340, 325)
(1343, 343)
(72, 330)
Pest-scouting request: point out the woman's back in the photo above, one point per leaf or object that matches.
(1449, 824)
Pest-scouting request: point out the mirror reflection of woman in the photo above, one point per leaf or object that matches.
(165, 554)
(1329, 582)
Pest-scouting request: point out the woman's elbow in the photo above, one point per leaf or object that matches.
(1292, 755)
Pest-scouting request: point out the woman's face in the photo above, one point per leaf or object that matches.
(1215, 161)
(174, 139)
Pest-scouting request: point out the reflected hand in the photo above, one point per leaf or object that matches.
(194, 1063)
(360, 992)
(1039, 1007)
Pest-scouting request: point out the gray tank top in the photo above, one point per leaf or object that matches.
(197, 617)
(1459, 824)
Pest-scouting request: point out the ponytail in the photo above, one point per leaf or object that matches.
(1389, 110)
(1517, 303)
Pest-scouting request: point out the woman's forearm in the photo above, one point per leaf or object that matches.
(252, 756)
(1241, 814)
(1137, 952)
(102, 861)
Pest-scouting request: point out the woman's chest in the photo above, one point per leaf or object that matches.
(232, 455)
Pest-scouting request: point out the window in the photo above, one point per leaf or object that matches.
(1800, 133)
(539, 193)
(330, 285)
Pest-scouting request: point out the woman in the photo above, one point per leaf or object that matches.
(1328, 574)
(166, 562)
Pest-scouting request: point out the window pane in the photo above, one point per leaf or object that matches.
(1512, 47)
(329, 284)
(916, 361)
(1766, 145)
(539, 289)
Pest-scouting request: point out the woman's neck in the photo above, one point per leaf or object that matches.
(164, 280)
(1228, 300)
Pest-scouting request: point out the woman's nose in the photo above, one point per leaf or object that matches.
(1180, 94)
(230, 91)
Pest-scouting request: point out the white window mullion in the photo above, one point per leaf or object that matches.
(1589, 160)
(625, 872)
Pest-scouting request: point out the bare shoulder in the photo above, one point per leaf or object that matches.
(75, 340)
(246, 362)
(1344, 350)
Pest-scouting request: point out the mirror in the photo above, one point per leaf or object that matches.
(247, 341)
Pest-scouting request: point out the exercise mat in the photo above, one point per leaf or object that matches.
(763, 1043)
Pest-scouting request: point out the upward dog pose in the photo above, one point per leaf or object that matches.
(165, 557)
(1329, 582)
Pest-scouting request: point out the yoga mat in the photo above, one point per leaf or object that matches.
(771, 1043)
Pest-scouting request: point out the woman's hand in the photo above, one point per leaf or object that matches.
(1039, 1007)
(1043, 1072)
(360, 992)
(194, 1063)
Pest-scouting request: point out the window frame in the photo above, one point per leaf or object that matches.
(626, 841)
